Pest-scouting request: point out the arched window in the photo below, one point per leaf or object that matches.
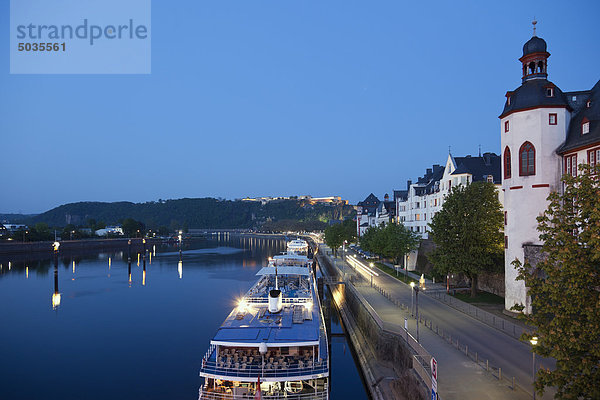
(507, 165)
(527, 159)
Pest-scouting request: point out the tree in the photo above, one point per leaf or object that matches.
(334, 237)
(565, 288)
(467, 232)
(399, 241)
(131, 227)
(373, 240)
(349, 227)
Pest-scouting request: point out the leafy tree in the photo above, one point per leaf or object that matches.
(565, 288)
(131, 227)
(467, 232)
(399, 241)
(334, 237)
(349, 227)
(373, 240)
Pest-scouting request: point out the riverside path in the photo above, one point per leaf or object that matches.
(460, 377)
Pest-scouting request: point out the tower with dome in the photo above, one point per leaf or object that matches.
(545, 133)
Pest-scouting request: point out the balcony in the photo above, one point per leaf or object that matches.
(219, 395)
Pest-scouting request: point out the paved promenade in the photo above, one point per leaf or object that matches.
(460, 377)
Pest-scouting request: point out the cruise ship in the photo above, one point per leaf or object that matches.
(273, 344)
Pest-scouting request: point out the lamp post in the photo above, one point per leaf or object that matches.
(412, 291)
(533, 342)
(56, 294)
(417, 306)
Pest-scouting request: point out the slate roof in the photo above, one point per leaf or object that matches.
(400, 195)
(534, 45)
(479, 167)
(370, 201)
(592, 114)
(532, 93)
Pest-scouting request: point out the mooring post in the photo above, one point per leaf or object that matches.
(499, 373)
(487, 365)
(513, 384)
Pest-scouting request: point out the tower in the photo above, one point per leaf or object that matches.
(533, 125)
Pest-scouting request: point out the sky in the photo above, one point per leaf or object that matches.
(269, 98)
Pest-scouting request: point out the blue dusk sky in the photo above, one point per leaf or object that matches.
(258, 98)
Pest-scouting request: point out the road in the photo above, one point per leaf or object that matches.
(511, 355)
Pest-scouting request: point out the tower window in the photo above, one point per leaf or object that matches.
(526, 159)
(585, 126)
(549, 92)
(552, 119)
(507, 166)
(571, 165)
(506, 126)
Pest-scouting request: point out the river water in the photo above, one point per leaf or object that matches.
(132, 335)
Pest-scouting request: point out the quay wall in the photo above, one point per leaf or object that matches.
(389, 349)
(69, 246)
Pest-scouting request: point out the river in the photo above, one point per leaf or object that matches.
(132, 333)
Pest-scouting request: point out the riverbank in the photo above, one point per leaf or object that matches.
(44, 249)
(386, 361)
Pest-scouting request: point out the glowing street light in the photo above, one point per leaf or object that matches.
(533, 342)
(412, 291)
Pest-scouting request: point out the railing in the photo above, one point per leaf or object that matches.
(253, 371)
(488, 318)
(206, 395)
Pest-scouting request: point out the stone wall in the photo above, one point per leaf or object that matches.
(390, 349)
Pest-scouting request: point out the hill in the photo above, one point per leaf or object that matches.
(191, 213)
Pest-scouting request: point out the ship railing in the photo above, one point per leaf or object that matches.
(270, 371)
(210, 395)
(209, 353)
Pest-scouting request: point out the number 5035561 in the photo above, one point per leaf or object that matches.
(42, 47)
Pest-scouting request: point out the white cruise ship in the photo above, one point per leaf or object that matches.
(273, 345)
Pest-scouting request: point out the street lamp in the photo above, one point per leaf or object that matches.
(417, 306)
(533, 342)
(412, 291)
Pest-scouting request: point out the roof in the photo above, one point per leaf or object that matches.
(534, 45)
(479, 167)
(575, 138)
(532, 94)
(250, 328)
(370, 201)
(284, 270)
(400, 194)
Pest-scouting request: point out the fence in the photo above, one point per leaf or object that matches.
(488, 318)
(489, 366)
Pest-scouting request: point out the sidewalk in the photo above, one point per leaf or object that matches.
(459, 377)
(487, 315)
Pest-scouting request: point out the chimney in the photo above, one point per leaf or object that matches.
(386, 197)
(408, 183)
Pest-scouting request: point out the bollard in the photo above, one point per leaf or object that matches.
(437, 330)
(476, 358)
(467, 350)
(513, 385)
(487, 365)
(499, 373)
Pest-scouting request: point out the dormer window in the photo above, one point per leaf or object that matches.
(508, 100)
(588, 104)
(549, 92)
(585, 126)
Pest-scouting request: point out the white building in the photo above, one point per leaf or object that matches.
(545, 132)
(372, 212)
(110, 230)
(416, 206)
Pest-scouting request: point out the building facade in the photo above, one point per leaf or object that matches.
(416, 206)
(545, 133)
(372, 212)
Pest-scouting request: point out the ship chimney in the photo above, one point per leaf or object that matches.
(275, 301)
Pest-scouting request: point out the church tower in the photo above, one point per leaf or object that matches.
(533, 125)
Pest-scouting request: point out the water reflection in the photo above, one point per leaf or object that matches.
(56, 294)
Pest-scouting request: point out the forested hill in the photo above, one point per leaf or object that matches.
(191, 213)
